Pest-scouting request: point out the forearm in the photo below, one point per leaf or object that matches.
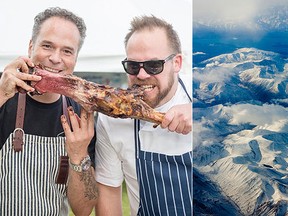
(109, 202)
(82, 191)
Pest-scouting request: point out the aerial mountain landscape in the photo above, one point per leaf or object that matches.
(240, 115)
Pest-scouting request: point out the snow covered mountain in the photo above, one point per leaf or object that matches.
(240, 136)
(276, 18)
(246, 74)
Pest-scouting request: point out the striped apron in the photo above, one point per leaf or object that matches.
(27, 178)
(165, 182)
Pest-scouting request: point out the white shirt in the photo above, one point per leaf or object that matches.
(115, 147)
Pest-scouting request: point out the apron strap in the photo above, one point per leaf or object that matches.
(183, 85)
(63, 171)
(64, 106)
(136, 137)
(18, 134)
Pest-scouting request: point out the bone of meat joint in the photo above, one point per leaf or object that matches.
(114, 102)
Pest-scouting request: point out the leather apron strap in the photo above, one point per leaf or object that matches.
(63, 171)
(18, 134)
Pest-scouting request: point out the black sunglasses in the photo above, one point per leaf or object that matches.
(152, 67)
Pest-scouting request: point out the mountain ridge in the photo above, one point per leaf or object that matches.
(241, 132)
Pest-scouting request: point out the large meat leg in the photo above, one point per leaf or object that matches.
(114, 102)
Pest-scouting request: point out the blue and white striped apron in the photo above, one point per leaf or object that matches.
(38, 195)
(165, 182)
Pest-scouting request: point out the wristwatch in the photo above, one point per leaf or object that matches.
(84, 165)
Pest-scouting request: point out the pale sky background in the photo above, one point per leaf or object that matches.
(107, 22)
(233, 10)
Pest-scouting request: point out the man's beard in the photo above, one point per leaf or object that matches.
(155, 101)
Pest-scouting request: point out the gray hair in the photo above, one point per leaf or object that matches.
(62, 13)
(151, 22)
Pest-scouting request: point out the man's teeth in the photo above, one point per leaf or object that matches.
(51, 70)
(148, 87)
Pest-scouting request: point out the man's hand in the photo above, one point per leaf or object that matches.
(11, 79)
(178, 119)
(80, 135)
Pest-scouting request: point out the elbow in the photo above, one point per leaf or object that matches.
(83, 210)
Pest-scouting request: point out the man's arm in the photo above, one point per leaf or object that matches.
(109, 202)
(82, 191)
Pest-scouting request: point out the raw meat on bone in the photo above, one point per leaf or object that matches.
(114, 102)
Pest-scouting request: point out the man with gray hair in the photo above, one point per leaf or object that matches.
(32, 141)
